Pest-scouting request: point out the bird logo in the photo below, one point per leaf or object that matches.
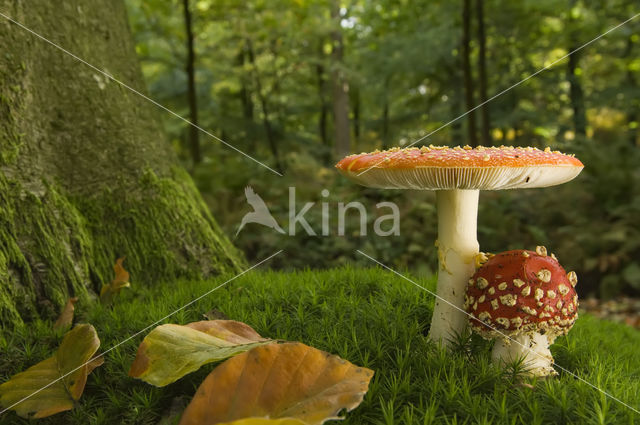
(260, 213)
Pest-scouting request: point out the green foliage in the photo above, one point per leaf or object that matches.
(367, 316)
(267, 65)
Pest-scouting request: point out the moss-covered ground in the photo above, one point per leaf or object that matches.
(368, 316)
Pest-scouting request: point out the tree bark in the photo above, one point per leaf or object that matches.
(194, 133)
(482, 74)
(86, 175)
(466, 68)
(340, 88)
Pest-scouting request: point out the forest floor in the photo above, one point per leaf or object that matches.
(367, 316)
(622, 310)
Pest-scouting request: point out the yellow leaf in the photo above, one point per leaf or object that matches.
(278, 381)
(110, 290)
(171, 351)
(263, 421)
(77, 347)
(66, 317)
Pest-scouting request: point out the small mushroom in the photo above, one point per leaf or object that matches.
(458, 174)
(538, 304)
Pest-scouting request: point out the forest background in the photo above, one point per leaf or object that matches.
(298, 84)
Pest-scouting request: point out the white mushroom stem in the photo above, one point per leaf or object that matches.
(532, 349)
(457, 248)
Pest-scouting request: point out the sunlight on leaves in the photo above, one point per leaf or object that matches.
(278, 381)
(77, 347)
(110, 290)
(171, 351)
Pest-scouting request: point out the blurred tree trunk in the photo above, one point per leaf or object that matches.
(482, 74)
(245, 94)
(324, 108)
(86, 174)
(633, 115)
(268, 128)
(576, 95)
(194, 133)
(340, 87)
(355, 97)
(468, 77)
(385, 113)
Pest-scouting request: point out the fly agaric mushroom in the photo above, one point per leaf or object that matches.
(457, 175)
(524, 299)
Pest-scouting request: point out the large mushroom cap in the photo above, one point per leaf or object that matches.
(442, 168)
(519, 292)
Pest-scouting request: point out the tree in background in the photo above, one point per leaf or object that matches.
(340, 86)
(192, 96)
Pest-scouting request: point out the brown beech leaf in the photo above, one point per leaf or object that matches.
(171, 351)
(76, 349)
(278, 381)
(66, 317)
(110, 290)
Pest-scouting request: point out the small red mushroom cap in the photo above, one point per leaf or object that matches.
(519, 292)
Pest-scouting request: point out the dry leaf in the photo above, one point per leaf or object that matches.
(171, 351)
(263, 421)
(278, 381)
(77, 347)
(110, 290)
(66, 317)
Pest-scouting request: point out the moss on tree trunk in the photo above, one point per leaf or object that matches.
(86, 175)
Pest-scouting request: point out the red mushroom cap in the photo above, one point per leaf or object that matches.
(519, 292)
(441, 167)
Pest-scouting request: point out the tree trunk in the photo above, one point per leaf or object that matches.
(356, 117)
(340, 87)
(268, 128)
(86, 175)
(576, 95)
(633, 113)
(194, 133)
(385, 113)
(324, 108)
(482, 74)
(466, 68)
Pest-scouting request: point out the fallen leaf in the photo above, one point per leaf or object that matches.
(171, 351)
(77, 347)
(263, 421)
(110, 290)
(66, 317)
(278, 381)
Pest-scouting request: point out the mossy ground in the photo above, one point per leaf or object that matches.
(368, 316)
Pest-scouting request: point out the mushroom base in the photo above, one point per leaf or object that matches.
(532, 349)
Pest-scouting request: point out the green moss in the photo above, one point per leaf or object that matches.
(370, 317)
(59, 245)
